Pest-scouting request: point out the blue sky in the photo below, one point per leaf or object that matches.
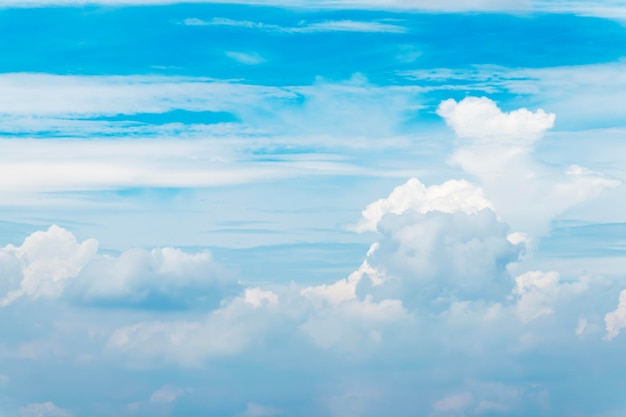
(350, 208)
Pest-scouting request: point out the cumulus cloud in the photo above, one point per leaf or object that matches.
(615, 320)
(353, 325)
(344, 289)
(53, 264)
(537, 291)
(224, 332)
(258, 297)
(496, 148)
(157, 278)
(43, 263)
(454, 196)
(437, 245)
(480, 120)
(450, 255)
(443, 248)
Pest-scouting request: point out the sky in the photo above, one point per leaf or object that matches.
(311, 208)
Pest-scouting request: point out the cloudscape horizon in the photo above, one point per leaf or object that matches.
(310, 208)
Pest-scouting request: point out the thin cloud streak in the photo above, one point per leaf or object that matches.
(317, 27)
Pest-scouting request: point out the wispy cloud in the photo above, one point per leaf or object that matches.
(246, 58)
(613, 9)
(75, 105)
(303, 27)
(58, 165)
(328, 4)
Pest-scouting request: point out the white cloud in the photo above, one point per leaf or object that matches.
(480, 120)
(445, 5)
(454, 196)
(159, 276)
(47, 409)
(31, 103)
(37, 95)
(66, 165)
(202, 155)
(438, 244)
(303, 27)
(496, 147)
(353, 26)
(246, 58)
(578, 94)
(449, 255)
(616, 320)
(609, 9)
(613, 9)
(53, 263)
(257, 297)
(353, 325)
(537, 290)
(30, 98)
(537, 293)
(43, 263)
(342, 290)
(224, 332)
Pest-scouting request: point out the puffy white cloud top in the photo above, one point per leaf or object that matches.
(496, 148)
(43, 263)
(454, 196)
(53, 264)
(480, 120)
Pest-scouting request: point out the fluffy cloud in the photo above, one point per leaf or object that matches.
(449, 255)
(437, 245)
(454, 196)
(345, 289)
(496, 147)
(224, 332)
(160, 277)
(43, 263)
(354, 325)
(536, 291)
(616, 320)
(480, 120)
(53, 263)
